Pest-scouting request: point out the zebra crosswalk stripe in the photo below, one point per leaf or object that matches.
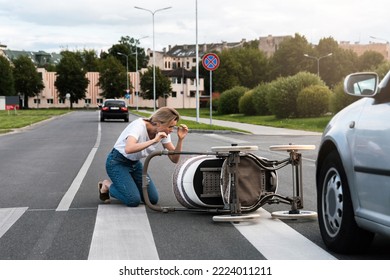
(8, 216)
(122, 233)
(278, 241)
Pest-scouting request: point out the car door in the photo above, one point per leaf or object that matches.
(371, 159)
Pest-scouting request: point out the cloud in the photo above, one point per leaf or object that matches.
(41, 24)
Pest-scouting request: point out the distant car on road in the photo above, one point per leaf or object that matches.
(353, 168)
(114, 109)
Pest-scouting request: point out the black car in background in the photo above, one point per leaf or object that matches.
(114, 109)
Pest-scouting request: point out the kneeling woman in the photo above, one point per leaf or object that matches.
(137, 141)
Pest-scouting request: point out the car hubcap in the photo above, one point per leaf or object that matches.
(332, 206)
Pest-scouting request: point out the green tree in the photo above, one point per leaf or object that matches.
(112, 80)
(289, 58)
(340, 99)
(229, 101)
(7, 87)
(259, 99)
(369, 60)
(283, 93)
(246, 67)
(71, 77)
(382, 69)
(89, 60)
(28, 81)
(313, 101)
(333, 69)
(130, 47)
(246, 105)
(163, 84)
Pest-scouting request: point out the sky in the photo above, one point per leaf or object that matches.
(52, 26)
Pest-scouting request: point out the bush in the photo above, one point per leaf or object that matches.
(245, 104)
(259, 99)
(313, 101)
(340, 99)
(228, 102)
(283, 93)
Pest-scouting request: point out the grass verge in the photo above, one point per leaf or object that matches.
(10, 120)
(308, 124)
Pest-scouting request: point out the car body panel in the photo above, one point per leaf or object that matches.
(371, 161)
(361, 135)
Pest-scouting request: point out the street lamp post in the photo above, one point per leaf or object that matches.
(127, 70)
(136, 69)
(154, 56)
(318, 60)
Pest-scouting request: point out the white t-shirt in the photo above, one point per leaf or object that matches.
(137, 129)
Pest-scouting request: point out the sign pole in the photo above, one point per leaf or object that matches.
(211, 97)
(210, 61)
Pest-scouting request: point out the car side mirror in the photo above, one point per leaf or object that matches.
(361, 84)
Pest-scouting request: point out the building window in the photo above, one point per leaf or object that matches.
(37, 101)
(174, 80)
(99, 100)
(49, 101)
(87, 101)
(174, 94)
(188, 65)
(61, 100)
(192, 93)
(174, 65)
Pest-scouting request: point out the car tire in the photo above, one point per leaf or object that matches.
(338, 227)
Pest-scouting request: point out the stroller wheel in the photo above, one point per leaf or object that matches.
(286, 215)
(235, 218)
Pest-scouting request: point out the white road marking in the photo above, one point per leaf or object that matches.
(8, 216)
(278, 241)
(67, 199)
(122, 233)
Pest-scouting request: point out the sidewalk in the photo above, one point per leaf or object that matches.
(254, 129)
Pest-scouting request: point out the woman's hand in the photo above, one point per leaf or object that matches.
(159, 136)
(182, 131)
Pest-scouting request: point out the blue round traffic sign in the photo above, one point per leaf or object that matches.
(210, 61)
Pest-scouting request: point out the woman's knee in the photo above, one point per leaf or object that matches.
(133, 203)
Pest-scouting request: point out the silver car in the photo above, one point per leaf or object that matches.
(353, 168)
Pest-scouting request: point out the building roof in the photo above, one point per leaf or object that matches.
(38, 58)
(190, 50)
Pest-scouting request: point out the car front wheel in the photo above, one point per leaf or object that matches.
(338, 227)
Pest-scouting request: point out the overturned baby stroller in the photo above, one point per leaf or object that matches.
(232, 182)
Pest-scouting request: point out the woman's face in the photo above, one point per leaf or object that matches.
(167, 127)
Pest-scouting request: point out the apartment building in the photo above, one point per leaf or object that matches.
(183, 86)
(359, 49)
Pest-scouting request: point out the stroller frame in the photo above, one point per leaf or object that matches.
(233, 211)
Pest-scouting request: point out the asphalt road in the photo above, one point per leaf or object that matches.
(49, 206)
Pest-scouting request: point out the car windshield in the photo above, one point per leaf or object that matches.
(114, 103)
